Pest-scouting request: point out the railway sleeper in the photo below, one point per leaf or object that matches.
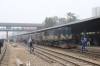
(44, 57)
(66, 60)
(83, 59)
(52, 58)
(55, 59)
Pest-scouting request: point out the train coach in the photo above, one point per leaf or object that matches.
(59, 37)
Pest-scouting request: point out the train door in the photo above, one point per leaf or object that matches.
(59, 34)
(55, 34)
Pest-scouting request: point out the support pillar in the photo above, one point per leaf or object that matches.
(7, 35)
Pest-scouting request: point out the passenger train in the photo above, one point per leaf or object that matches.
(62, 36)
(55, 36)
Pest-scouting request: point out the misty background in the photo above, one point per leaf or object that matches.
(35, 11)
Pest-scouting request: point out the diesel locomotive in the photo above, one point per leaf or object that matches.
(59, 37)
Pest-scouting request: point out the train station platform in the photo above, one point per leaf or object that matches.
(4, 56)
(22, 53)
(91, 48)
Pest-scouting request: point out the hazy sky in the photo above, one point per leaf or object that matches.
(35, 11)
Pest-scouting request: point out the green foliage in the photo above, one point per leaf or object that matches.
(71, 17)
(62, 21)
(49, 22)
(52, 21)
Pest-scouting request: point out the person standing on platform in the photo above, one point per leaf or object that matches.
(81, 39)
(1, 44)
(88, 41)
(31, 46)
(84, 40)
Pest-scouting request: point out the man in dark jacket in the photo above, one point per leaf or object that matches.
(31, 46)
(1, 44)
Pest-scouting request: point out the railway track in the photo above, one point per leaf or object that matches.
(89, 53)
(67, 58)
(52, 56)
(48, 58)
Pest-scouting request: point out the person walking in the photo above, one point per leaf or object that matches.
(84, 45)
(31, 46)
(82, 39)
(88, 41)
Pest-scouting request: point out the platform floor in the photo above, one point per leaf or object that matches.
(23, 53)
(91, 48)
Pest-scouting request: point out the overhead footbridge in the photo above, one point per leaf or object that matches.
(19, 27)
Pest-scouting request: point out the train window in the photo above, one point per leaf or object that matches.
(59, 28)
(49, 32)
(42, 33)
(55, 32)
(45, 33)
(52, 32)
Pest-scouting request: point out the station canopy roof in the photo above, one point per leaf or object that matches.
(89, 25)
